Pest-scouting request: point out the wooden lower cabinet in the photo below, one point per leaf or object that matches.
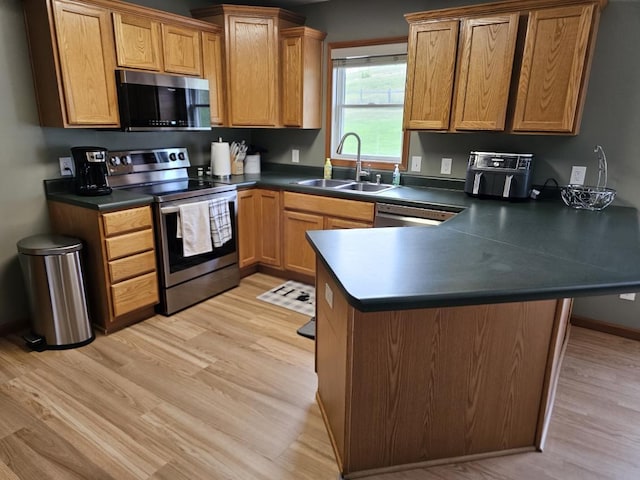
(259, 227)
(303, 212)
(119, 261)
(410, 388)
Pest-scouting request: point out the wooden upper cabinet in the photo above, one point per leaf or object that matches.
(182, 50)
(252, 71)
(301, 77)
(516, 66)
(554, 69)
(86, 56)
(430, 73)
(212, 65)
(252, 60)
(138, 43)
(483, 79)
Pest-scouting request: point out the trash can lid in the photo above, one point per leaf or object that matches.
(46, 244)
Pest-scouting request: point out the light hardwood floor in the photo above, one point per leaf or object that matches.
(225, 390)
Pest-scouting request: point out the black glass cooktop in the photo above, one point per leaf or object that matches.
(178, 189)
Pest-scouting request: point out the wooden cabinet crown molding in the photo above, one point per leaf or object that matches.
(250, 11)
(496, 8)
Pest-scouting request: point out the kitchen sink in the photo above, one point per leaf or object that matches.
(366, 187)
(324, 183)
(350, 185)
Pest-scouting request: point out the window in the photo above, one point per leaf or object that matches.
(367, 92)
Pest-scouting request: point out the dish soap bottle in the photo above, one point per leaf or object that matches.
(395, 179)
(327, 169)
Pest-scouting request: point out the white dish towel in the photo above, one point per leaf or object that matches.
(194, 227)
(220, 219)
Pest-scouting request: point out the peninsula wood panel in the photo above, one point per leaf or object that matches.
(554, 69)
(138, 42)
(431, 65)
(429, 385)
(86, 54)
(484, 72)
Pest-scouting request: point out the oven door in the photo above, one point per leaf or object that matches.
(175, 268)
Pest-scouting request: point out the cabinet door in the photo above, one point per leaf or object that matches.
(298, 254)
(334, 223)
(137, 42)
(247, 228)
(553, 73)
(87, 62)
(430, 70)
(484, 72)
(301, 77)
(212, 67)
(292, 81)
(252, 71)
(182, 53)
(269, 245)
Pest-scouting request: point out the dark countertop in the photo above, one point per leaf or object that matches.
(491, 252)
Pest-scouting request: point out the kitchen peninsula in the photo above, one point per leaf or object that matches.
(440, 344)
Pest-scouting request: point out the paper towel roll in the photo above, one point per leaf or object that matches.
(220, 159)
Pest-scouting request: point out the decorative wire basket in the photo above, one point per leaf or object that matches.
(590, 197)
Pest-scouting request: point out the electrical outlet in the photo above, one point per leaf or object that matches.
(577, 175)
(628, 296)
(66, 167)
(445, 166)
(295, 155)
(416, 163)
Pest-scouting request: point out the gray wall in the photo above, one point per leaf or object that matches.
(612, 118)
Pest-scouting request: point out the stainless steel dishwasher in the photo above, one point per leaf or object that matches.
(389, 215)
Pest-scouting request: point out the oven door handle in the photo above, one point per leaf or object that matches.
(176, 208)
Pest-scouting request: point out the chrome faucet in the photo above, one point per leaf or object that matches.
(359, 171)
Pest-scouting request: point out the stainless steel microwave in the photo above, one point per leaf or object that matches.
(152, 101)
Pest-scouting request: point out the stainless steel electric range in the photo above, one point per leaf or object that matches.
(163, 174)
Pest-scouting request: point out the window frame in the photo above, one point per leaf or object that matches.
(403, 162)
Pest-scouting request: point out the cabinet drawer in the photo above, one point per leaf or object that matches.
(336, 207)
(135, 293)
(126, 220)
(132, 266)
(129, 244)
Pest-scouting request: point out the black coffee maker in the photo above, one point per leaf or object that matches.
(91, 170)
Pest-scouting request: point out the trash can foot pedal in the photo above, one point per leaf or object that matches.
(35, 342)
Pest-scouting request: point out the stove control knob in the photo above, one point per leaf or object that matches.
(126, 160)
(181, 156)
(115, 161)
(172, 157)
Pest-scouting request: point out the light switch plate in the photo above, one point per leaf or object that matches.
(445, 166)
(416, 163)
(628, 296)
(328, 295)
(577, 175)
(295, 155)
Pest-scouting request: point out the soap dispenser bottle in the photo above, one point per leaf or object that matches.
(395, 179)
(327, 169)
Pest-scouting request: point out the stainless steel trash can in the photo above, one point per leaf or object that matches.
(57, 301)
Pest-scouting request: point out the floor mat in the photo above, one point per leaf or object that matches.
(295, 296)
